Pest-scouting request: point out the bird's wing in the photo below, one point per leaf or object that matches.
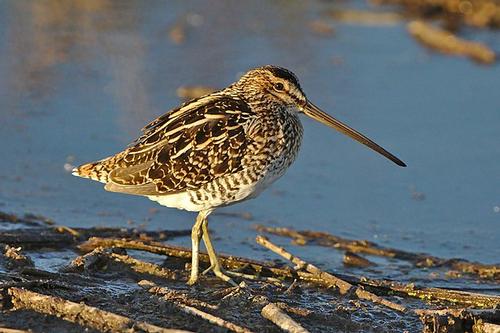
(185, 148)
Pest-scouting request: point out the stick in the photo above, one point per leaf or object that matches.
(489, 314)
(446, 42)
(175, 295)
(49, 283)
(100, 256)
(13, 257)
(458, 297)
(363, 246)
(342, 285)
(143, 267)
(483, 327)
(365, 17)
(32, 238)
(133, 233)
(27, 219)
(354, 246)
(79, 313)
(154, 289)
(61, 236)
(469, 299)
(281, 319)
(481, 13)
(454, 320)
(230, 262)
(12, 330)
(465, 298)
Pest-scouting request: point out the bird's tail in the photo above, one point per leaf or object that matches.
(98, 170)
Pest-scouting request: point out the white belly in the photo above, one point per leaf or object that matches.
(179, 200)
(188, 200)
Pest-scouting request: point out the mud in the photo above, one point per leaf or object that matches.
(136, 283)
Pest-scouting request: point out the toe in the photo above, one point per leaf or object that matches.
(192, 280)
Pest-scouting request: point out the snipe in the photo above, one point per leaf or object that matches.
(218, 150)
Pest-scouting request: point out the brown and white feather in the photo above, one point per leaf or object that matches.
(215, 150)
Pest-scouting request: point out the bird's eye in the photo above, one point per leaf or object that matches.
(279, 86)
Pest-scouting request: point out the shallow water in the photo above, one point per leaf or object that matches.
(79, 79)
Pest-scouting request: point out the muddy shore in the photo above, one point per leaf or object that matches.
(115, 280)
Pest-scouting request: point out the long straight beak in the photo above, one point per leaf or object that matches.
(314, 112)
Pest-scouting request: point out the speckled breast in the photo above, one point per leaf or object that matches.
(273, 146)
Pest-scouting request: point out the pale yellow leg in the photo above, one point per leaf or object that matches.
(196, 234)
(214, 261)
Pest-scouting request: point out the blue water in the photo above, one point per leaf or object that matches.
(80, 78)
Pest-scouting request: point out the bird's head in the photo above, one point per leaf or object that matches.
(273, 84)
(278, 85)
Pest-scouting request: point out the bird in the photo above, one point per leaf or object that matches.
(218, 150)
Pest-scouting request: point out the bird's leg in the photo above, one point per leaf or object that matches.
(196, 234)
(214, 261)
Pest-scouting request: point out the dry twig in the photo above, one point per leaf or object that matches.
(446, 42)
(61, 237)
(463, 298)
(101, 257)
(79, 313)
(30, 238)
(459, 320)
(154, 289)
(482, 327)
(14, 258)
(281, 319)
(368, 18)
(431, 294)
(175, 295)
(230, 262)
(363, 246)
(27, 219)
(352, 259)
(12, 330)
(477, 13)
(330, 279)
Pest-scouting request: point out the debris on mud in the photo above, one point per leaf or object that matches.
(446, 42)
(369, 18)
(117, 280)
(477, 270)
(477, 13)
(434, 23)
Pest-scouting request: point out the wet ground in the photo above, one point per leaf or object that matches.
(80, 78)
(56, 278)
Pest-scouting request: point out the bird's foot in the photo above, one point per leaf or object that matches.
(192, 280)
(220, 273)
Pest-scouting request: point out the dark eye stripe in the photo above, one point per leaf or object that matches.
(283, 74)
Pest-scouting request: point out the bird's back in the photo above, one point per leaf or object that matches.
(218, 144)
(184, 148)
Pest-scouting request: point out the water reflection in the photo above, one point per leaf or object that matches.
(42, 35)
